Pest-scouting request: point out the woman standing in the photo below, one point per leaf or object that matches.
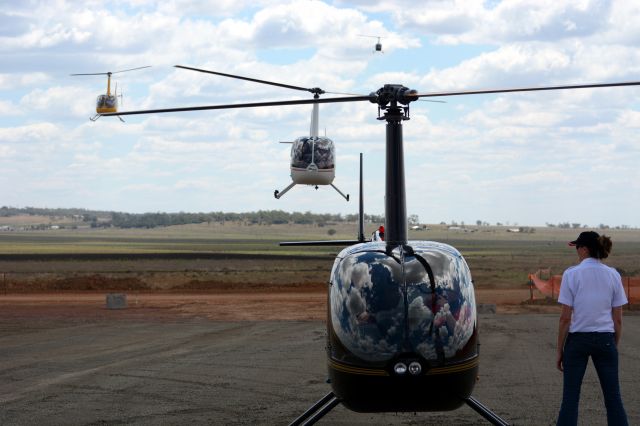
(592, 297)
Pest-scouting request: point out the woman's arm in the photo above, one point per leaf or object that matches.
(563, 331)
(616, 314)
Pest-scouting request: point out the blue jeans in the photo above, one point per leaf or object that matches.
(601, 347)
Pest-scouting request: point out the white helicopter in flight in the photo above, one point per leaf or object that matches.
(313, 157)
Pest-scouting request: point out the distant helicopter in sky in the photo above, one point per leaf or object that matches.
(378, 45)
(313, 157)
(108, 102)
(402, 324)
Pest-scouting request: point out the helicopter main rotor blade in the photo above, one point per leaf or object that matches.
(113, 72)
(528, 89)
(371, 98)
(131, 69)
(93, 73)
(255, 80)
(245, 105)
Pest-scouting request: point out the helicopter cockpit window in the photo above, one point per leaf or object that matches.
(319, 151)
(105, 101)
(324, 153)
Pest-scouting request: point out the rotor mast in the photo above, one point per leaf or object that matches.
(108, 84)
(388, 99)
(315, 118)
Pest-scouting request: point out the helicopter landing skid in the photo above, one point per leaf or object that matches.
(317, 411)
(346, 197)
(485, 412)
(279, 194)
(97, 116)
(330, 401)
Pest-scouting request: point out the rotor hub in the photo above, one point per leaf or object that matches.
(392, 94)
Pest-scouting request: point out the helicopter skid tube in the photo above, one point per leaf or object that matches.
(371, 390)
(279, 194)
(317, 411)
(346, 197)
(481, 409)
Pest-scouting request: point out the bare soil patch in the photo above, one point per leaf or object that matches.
(296, 302)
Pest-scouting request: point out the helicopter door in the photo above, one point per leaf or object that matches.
(313, 161)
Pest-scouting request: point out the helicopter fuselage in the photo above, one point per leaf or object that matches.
(402, 328)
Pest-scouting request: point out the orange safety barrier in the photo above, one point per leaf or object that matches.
(550, 287)
(632, 288)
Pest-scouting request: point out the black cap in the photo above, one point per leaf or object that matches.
(587, 238)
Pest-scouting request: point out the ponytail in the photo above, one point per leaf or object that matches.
(604, 247)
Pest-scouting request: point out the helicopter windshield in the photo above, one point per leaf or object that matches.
(318, 151)
(106, 101)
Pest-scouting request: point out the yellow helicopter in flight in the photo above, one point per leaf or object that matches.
(108, 102)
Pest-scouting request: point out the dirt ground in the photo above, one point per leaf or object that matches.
(253, 357)
(266, 304)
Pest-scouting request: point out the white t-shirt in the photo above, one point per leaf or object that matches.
(592, 289)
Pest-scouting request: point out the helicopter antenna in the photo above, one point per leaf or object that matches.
(361, 207)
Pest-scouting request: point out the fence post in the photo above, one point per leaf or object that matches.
(530, 289)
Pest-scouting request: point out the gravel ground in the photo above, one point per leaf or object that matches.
(161, 368)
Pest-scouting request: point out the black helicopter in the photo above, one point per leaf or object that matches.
(402, 326)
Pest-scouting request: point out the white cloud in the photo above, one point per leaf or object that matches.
(60, 101)
(9, 109)
(469, 21)
(29, 133)
(13, 81)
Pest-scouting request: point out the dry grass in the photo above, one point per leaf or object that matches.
(208, 256)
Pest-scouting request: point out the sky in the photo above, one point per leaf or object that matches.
(518, 158)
